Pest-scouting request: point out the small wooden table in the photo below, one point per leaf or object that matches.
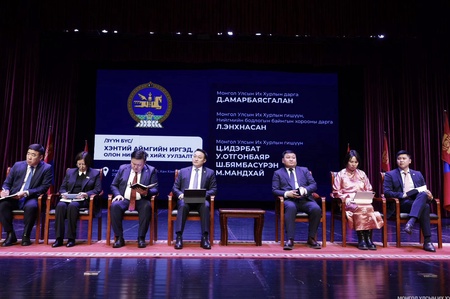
(258, 214)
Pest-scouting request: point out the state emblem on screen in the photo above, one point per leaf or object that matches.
(149, 105)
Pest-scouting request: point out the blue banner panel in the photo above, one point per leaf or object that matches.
(243, 119)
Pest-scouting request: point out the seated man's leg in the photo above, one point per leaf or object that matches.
(419, 206)
(145, 214)
(29, 218)
(314, 213)
(6, 216)
(183, 211)
(204, 211)
(118, 208)
(290, 211)
(424, 220)
(417, 209)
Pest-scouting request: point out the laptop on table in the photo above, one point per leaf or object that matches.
(194, 195)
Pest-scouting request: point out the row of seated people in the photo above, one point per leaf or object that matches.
(133, 187)
(293, 185)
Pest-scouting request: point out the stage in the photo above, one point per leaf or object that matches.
(239, 270)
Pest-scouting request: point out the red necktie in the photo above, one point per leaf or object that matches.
(133, 195)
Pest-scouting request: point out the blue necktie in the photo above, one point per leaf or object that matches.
(196, 179)
(26, 187)
(292, 178)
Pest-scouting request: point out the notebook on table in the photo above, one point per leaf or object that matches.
(194, 195)
(363, 197)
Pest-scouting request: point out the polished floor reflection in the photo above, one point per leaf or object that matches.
(215, 278)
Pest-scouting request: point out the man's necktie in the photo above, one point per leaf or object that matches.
(133, 194)
(292, 178)
(26, 187)
(408, 184)
(196, 179)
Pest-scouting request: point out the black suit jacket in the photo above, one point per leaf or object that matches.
(281, 182)
(393, 185)
(91, 184)
(208, 181)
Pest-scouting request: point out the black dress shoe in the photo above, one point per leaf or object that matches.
(58, 243)
(26, 241)
(409, 225)
(70, 243)
(10, 239)
(141, 242)
(312, 243)
(289, 245)
(429, 247)
(408, 228)
(204, 243)
(120, 242)
(178, 242)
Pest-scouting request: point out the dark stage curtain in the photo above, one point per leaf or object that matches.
(398, 85)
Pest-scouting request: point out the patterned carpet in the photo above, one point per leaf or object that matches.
(237, 250)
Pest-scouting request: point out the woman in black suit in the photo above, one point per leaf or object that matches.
(78, 185)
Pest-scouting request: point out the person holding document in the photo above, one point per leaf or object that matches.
(77, 187)
(194, 177)
(128, 195)
(26, 181)
(410, 188)
(361, 217)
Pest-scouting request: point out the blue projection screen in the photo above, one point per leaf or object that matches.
(243, 119)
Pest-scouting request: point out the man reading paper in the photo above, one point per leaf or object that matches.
(126, 198)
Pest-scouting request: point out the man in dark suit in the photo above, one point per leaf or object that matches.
(206, 179)
(83, 181)
(123, 196)
(27, 180)
(296, 185)
(401, 183)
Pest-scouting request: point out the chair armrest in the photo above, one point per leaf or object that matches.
(110, 197)
(396, 201)
(437, 202)
(391, 199)
(279, 205)
(335, 198)
(50, 201)
(169, 204)
(321, 201)
(211, 202)
(41, 198)
(381, 200)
